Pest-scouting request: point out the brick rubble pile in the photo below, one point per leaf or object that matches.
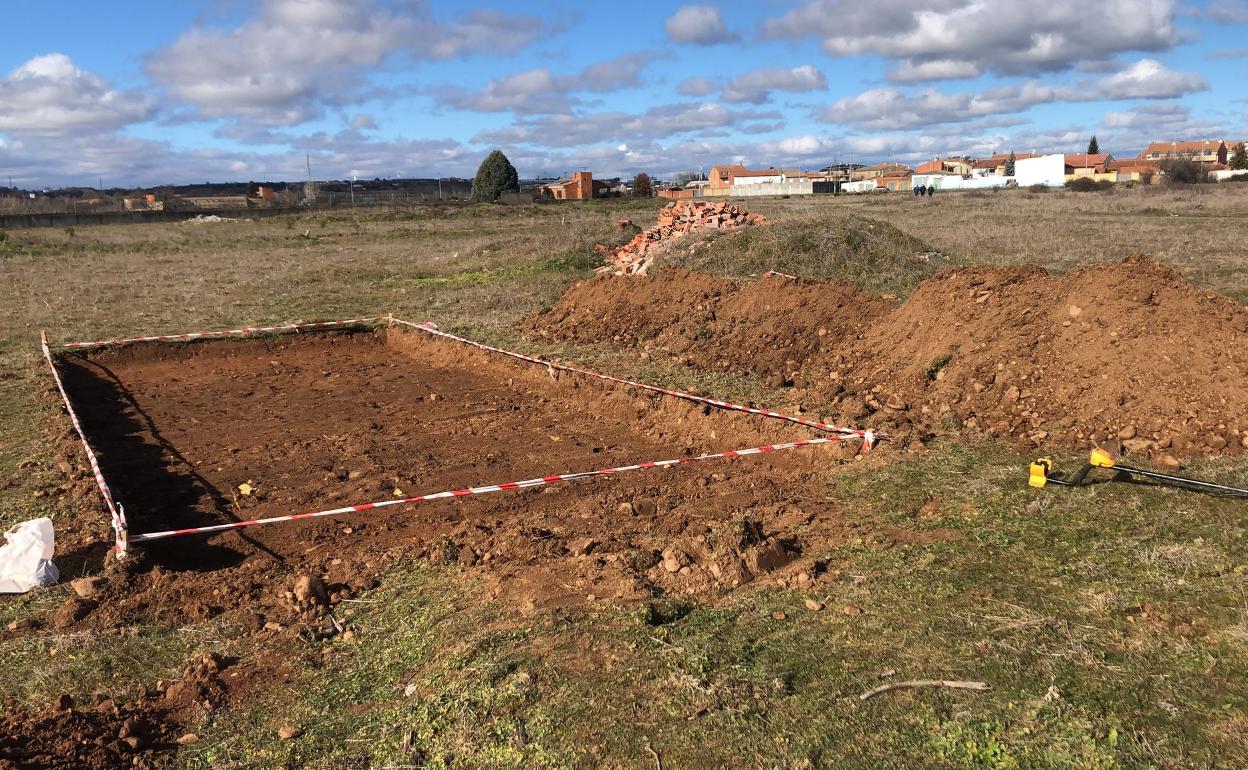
(676, 220)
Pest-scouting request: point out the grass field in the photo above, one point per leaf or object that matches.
(1110, 623)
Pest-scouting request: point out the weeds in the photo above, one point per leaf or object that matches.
(938, 363)
(868, 253)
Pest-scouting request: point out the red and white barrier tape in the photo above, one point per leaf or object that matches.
(507, 487)
(246, 330)
(868, 437)
(118, 514)
(782, 275)
(115, 511)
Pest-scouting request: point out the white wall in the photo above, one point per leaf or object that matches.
(861, 186)
(744, 180)
(1047, 170)
(1225, 174)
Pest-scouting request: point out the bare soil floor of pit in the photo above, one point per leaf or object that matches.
(318, 421)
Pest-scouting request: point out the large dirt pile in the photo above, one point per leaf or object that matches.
(772, 327)
(676, 220)
(1127, 354)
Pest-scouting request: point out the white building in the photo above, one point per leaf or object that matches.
(860, 186)
(1047, 170)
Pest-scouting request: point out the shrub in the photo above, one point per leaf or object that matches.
(1182, 171)
(1087, 184)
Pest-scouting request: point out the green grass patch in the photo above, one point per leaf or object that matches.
(868, 253)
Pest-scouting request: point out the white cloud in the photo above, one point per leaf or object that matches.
(884, 109)
(362, 121)
(698, 24)
(1135, 128)
(127, 161)
(1228, 12)
(538, 91)
(696, 86)
(909, 71)
(1156, 117)
(49, 95)
(756, 86)
(295, 57)
(527, 92)
(965, 38)
(623, 71)
(1150, 79)
(660, 121)
(480, 32)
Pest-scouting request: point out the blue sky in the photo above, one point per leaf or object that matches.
(191, 92)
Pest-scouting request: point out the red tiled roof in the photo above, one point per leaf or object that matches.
(1163, 148)
(1084, 160)
(1133, 164)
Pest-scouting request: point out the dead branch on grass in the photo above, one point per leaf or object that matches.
(874, 691)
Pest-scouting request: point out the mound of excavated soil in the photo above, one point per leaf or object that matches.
(1125, 352)
(771, 328)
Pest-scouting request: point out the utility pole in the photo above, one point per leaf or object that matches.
(353, 189)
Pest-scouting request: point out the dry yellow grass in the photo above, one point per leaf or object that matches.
(1039, 593)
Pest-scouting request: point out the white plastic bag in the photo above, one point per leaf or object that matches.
(26, 560)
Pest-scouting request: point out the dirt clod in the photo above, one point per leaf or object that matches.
(88, 587)
(310, 589)
(71, 611)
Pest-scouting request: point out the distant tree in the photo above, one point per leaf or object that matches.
(642, 186)
(1094, 148)
(1239, 158)
(495, 176)
(1009, 165)
(685, 177)
(252, 188)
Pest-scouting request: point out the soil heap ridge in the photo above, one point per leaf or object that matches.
(1127, 354)
(769, 327)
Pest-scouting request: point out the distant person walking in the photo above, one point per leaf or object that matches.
(918, 191)
(931, 188)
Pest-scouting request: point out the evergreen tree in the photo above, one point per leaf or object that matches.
(495, 176)
(642, 186)
(1239, 158)
(1093, 147)
(1009, 164)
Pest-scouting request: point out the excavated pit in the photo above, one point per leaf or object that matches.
(317, 421)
